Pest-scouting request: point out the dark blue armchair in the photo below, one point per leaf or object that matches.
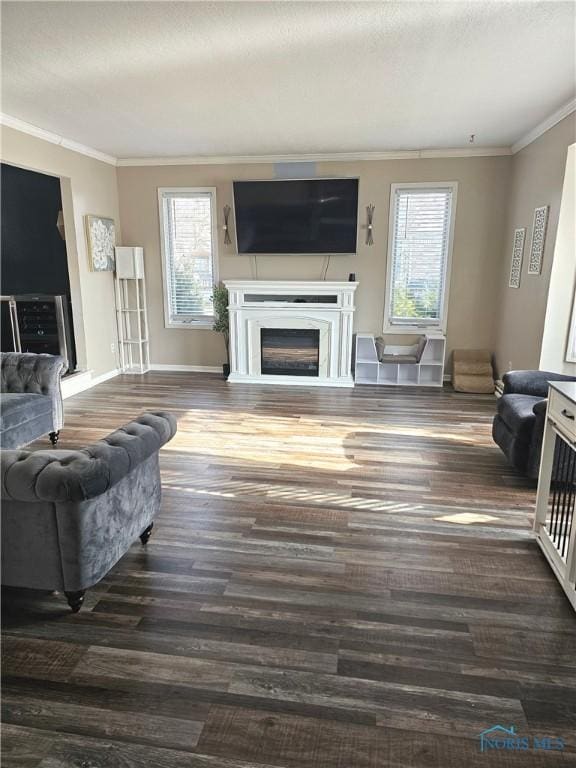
(518, 427)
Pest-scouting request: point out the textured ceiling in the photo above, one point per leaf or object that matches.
(137, 79)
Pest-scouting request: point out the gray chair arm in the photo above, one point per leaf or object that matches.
(78, 475)
(540, 408)
(533, 465)
(35, 374)
(533, 383)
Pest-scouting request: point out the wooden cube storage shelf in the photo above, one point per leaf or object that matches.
(429, 372)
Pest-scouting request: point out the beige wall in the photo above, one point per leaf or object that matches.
(537, 177)
(562, 280)
(88, 186)
(480, 221)
(495, 195)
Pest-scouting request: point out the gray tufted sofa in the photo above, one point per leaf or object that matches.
(31, 400)
(69, 516)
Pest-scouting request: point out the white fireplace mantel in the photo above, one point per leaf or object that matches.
(325, 306)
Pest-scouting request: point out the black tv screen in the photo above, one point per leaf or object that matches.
(308, 216)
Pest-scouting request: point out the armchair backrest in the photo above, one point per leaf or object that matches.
(533, 383)
(62, 476)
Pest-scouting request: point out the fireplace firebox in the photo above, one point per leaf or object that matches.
(290, 352)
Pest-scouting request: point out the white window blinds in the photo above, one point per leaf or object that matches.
(420, 242)
(188, 245)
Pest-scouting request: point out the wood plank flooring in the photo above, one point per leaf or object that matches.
(337, 579)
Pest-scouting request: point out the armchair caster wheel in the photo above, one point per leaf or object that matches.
(54, 437)
(146, 533)
(75, 599)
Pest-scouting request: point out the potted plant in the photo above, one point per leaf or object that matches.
(220, 299)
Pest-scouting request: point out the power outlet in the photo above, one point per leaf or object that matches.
(113, 348)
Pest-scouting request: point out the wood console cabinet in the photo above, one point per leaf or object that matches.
(555, 523)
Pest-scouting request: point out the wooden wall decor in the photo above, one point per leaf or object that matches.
(538, 240)
(517, 257)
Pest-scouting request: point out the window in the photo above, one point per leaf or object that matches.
(188, 241)
(420, 246)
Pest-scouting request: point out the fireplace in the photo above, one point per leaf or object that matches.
(291, 332)
(290, 351)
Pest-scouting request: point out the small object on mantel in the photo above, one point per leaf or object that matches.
(472, 371)
(352, 277)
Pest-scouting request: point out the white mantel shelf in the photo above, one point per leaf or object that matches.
(309, 286)
(257, 304)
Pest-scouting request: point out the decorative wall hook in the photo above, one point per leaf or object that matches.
(227, 240)
(369, 225)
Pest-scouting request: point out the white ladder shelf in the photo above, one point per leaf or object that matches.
(131, 310)
(429, 372)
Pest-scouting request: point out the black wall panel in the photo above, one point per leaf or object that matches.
(33, 254)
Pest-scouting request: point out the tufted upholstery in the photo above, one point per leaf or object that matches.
(80, 475)
(26, 376)
(69, 516)
(18, 409)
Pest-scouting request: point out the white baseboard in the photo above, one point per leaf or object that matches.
(83, 380)
(188, 368)
(105, 376)
(75, 383)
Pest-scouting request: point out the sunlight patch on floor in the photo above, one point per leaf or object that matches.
(233, 489)
(314, 443)
(466, 518)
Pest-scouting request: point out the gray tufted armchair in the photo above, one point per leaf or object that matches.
(31, 399)
(69, 516)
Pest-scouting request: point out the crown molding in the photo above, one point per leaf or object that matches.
(409, 154)
(54, 138)
(337, 157)
(464, 152)
(544, 126)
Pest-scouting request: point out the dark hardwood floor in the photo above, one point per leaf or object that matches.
(338, 579)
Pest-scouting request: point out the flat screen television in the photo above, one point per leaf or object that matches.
(296, 216)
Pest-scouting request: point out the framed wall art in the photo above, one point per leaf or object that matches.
(101, 237)
(517, 257)
(538, 239)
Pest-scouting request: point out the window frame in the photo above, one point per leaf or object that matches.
(198, 321)
(400, 328)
